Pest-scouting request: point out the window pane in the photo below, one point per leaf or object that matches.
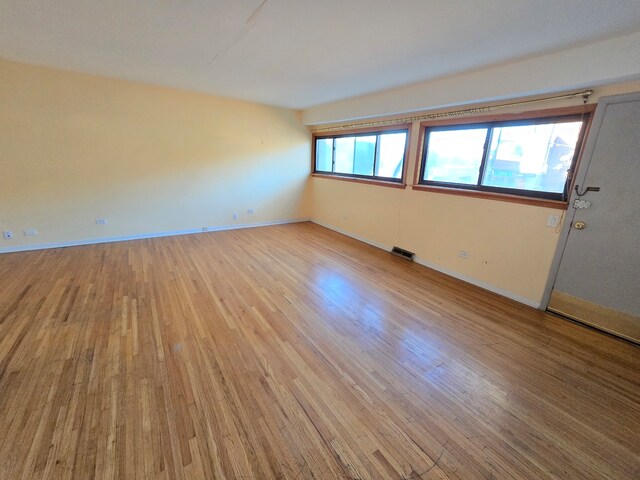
(344, 154)
(373, 154)
(390, 163)
(365, 152)
(531, 157)
(455, 156)
(324, 153)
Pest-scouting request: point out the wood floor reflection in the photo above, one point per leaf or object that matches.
(295, 352)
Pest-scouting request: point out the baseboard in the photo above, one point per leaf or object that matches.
(478, 283)
(352, 235)
(434, 266)
(75, 243)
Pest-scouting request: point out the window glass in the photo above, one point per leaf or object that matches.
(455, 156)
(324, 154)
(391, 156)
(345, 147)
(370, 155)
(531, 157)
(365, 152)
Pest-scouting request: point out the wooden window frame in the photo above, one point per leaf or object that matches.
(497, 193)
(367, 179)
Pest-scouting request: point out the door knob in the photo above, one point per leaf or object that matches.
(579, 225)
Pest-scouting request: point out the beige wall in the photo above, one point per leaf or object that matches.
(510, 246)
(149, 159)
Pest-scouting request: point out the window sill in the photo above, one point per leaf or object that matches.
(500, 197)
(369, 181)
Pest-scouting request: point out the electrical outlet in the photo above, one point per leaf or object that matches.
(250, 210)
(7, 234)
(463, 254)
(101, 221)
(235, 215)
(29, 232)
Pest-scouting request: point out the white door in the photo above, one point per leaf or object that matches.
(598, 279)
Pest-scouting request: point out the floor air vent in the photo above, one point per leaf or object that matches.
(401, 252)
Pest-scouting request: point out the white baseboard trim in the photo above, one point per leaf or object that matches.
(446, 271)
(478, 283)
(352, 235)
(75, 243)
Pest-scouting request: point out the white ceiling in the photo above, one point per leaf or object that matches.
(298, 53)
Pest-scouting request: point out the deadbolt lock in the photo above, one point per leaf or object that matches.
(580, 225)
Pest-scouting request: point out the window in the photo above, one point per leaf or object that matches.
(367, 155)
(530, 157)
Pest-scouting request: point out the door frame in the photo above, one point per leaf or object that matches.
(581, 175)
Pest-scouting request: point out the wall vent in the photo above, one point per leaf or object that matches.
(401, 252)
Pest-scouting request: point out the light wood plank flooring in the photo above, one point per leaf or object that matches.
(295, 352)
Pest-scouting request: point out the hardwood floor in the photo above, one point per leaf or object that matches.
(295, 352)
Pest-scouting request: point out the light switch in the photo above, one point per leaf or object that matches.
(553, 221)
